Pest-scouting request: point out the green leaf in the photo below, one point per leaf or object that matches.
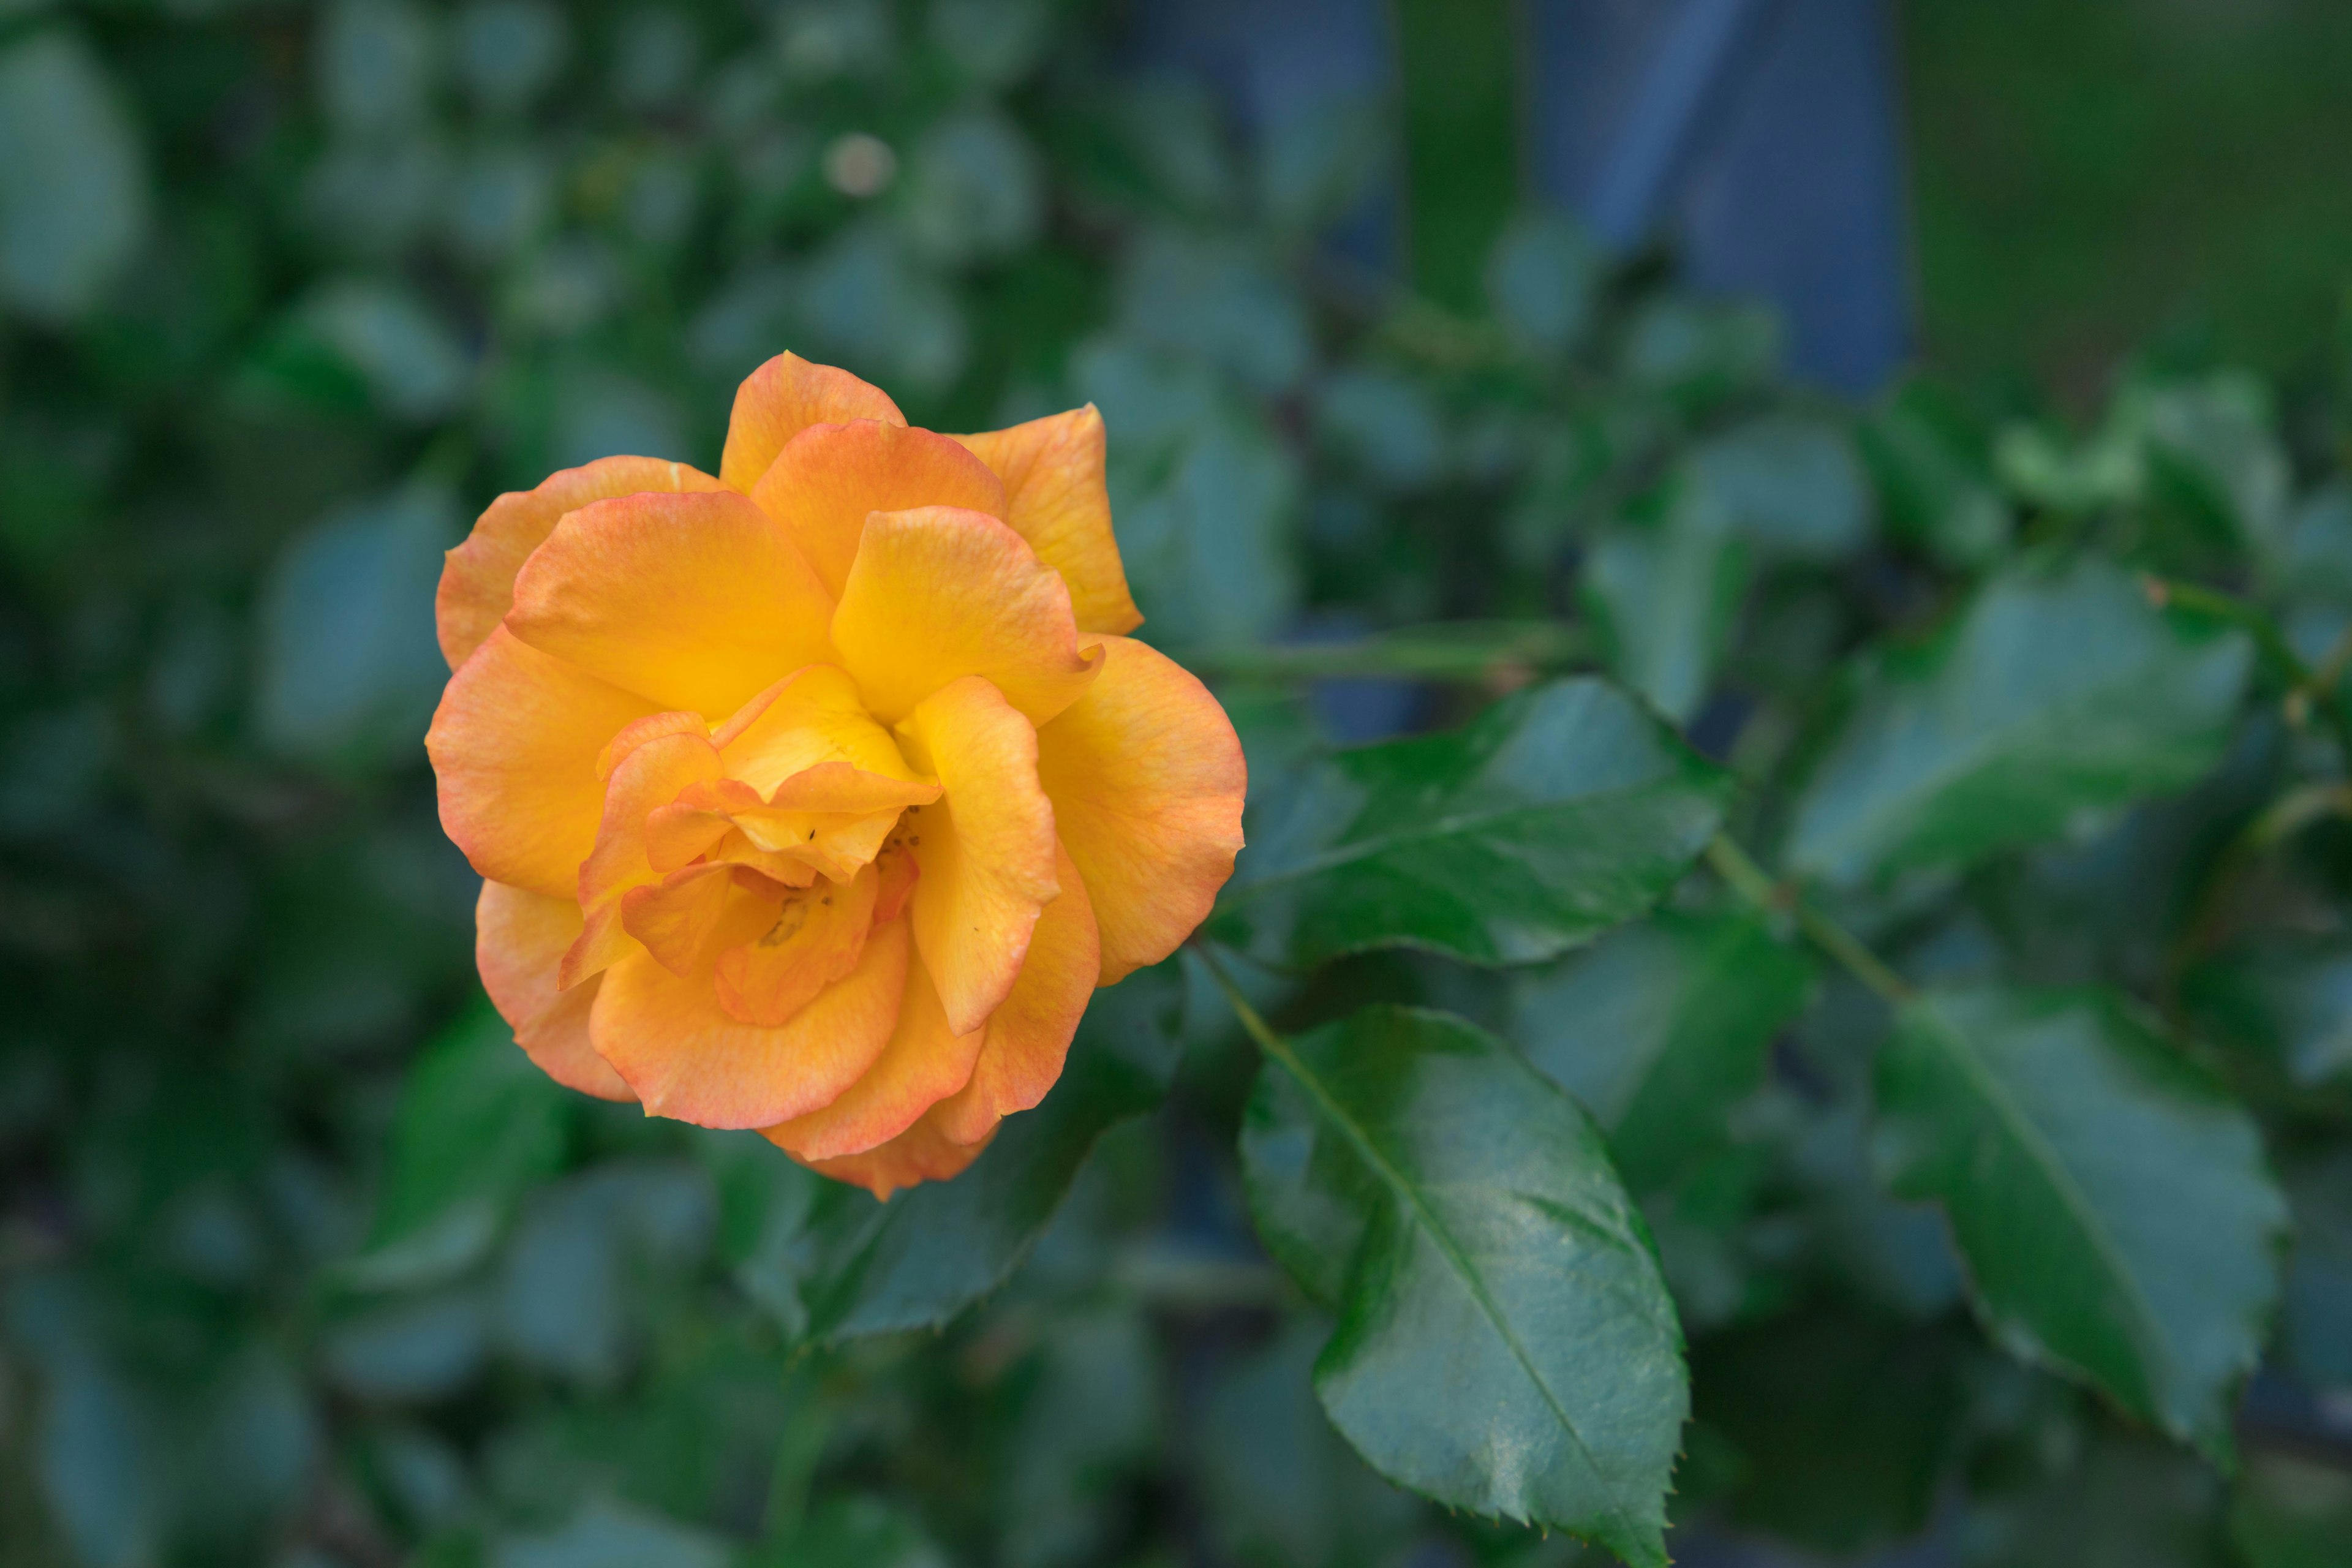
(1559, 812)
(2051, 698)
(2113, 1202)
(1932, 465)
(1504, 1343)
(864, 1268)
(1664, 587)
(2290, 1004)
(1789, 483)
(478, 1124)
(1661, 1029)
(73, 190)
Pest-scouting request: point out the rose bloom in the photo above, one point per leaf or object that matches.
(819, 797)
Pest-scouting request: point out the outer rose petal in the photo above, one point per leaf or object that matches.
(785, 397)
(830, 478)
(921, 1153)
(697, 601)
(1053, 474)
(514, 746)
(986, 852)
(926, 1062)
(938, 592)
(519, 938)
(1029, 1036)
(686, 1058)
(1146, 780)
(477, 584)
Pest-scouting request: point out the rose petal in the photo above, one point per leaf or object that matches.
(1056, 499)
(674, 1045)
(477, 583)
(921, 1153)
(785, 397)
(1029, 1036)
(986, 851)
(925, 1062)
(697, 601)
(936, 593)
(815, 939)
(1146, 780)
(649, 777)
(830, 479)
(812, 716)
(514, 746)
(519, 938)
(691, 916)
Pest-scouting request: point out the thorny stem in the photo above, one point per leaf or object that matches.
(1752, 882)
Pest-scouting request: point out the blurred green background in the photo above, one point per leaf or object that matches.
(287, 291)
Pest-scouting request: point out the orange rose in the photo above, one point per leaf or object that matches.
(817, 797)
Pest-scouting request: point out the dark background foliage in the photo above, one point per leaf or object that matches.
(300, 1263)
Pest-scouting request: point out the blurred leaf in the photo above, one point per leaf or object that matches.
(1844, 1424)
(478, 1124)
(1790, 484)
(1283, 1491)
(854, 1532)
(1206, 531)
(613, 1535)
(375, 62)
(408, 357)
(2049, 699)
(1542, 279)
(409, 1351)
(2290, 1512)
(916, 1261)
(1699, 352)
(1661, 1028)
(973, 190)
(2214, 453)
(2291, 1004)
(2113, 1202)
(1932, 465)
(1088, 1422)
(1663, 585)
(349, 668)
(2316, 1326)
(1558, 812)
(73, 185)
(1215, 299)
(2127, 1503)
(1383, 423)
(1506, 1344)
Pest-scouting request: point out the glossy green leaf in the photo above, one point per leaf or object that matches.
(2113, 1204)
(477, 1124)
(1559, 812)
(1664, 584)
(1661, 1028)
(858, 1266)
(2049, 698)
(1504, 1343)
